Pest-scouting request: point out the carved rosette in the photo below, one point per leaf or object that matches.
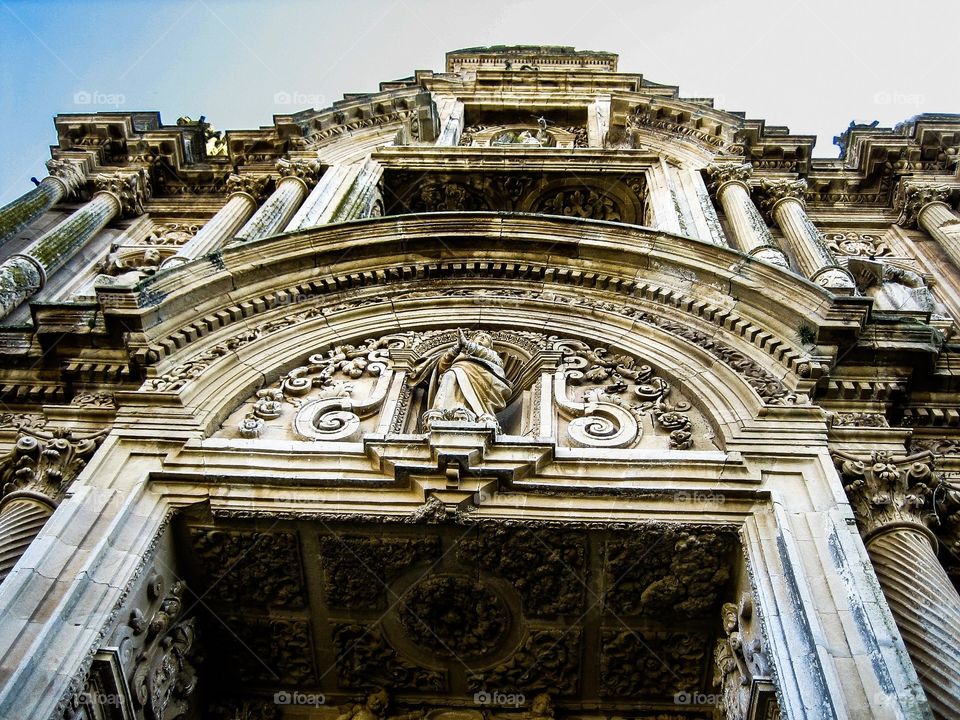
(129, 189)
(720, 174)
(454, 615)
(253, 185)
(913, 198)
(69, 173)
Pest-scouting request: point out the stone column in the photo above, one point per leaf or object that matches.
(892, 502)
(750, 233)
(296, 179)
(245, 193)
(22, 275)
(65, 179)
(926, 206)
(314, 208)
(35, 477)
(783, 200)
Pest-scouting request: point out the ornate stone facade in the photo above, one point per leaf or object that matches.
(528, 389)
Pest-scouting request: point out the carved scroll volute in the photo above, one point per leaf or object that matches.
(344, 402)
(617, 393)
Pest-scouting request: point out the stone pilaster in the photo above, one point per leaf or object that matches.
(728, 182)
(892, 501)
(65, 179)
(296, 179)
(245, 193)
(926, 206)
(35, 477)
(783, 200)
(22, 275)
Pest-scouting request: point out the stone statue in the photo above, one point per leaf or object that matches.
(467, 382)
(375, 708)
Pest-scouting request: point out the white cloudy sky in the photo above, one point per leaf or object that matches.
(813, 65)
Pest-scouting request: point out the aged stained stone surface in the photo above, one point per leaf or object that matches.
(525, 390)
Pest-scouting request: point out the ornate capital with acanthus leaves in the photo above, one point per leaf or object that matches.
(773, 192)
(887, 492)
(44, 463)
(722, 173)
(252, 185)
(130, 189)
(69, 173)
(306, 170)
(914, 197)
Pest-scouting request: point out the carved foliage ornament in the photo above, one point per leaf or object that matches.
(617, 392)
(253, 185)
(131, 190)
(912, 198)
(164, 676)
(722, 173)
(888, 491)
(46, 462)
(69, 173)
(306, 170)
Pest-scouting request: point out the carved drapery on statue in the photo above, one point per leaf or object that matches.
(550, 388)
(466, 382)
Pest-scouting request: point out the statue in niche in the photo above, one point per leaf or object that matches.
(540, 138)
(467, 382)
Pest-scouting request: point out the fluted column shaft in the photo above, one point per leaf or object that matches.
(296, 179)
(750, 232)
(246, 191)
(276, 212)
(892, 501)
(926, 608)
(786, 207)
(943, 224)
(23, 275)
(65, 179)
(21, 518)
(315, 206)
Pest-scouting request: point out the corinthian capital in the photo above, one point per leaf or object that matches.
(45, 463)
(131, 189)
(67, 172)
(722, 173)
(306, 170)
(253, 185)
(773, 191)
(913, 197)
(887, 491)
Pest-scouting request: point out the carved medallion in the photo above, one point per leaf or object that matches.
(455, 615)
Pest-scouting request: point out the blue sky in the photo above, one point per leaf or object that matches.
(808, 64)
